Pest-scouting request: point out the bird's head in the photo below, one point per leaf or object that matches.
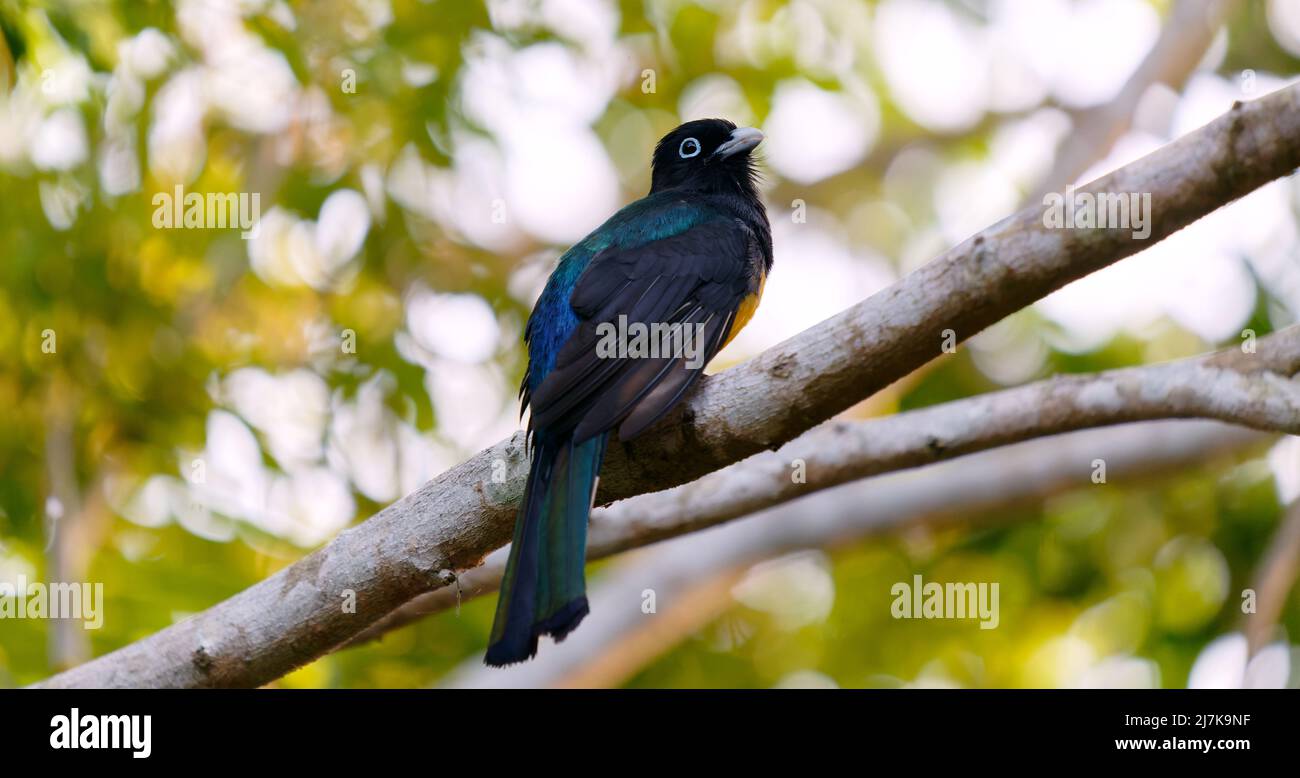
(711, 155)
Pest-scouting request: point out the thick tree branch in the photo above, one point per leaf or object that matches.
(449, 524)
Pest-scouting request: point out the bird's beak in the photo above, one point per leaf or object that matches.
(742, 139)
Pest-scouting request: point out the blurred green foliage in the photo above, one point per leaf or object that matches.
(146, 320)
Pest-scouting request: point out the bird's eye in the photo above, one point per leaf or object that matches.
(689, 148)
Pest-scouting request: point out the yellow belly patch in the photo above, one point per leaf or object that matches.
(745, 311)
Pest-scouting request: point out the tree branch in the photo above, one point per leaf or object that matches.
(965, 491)
(1274, 580)
(450, 523)
(1249, 389)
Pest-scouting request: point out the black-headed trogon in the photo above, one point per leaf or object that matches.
(691, 255)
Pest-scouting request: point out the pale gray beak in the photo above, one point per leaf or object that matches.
(742, 139)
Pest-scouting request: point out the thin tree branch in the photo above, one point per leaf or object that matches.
(974, 489)
(1250, 389)
(68, 643)
(417, 543)
(1274, 580)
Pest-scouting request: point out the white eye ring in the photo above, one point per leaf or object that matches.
(689, 148)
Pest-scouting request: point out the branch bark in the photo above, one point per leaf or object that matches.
(417, 543)
(972, 490)
(1249, 389)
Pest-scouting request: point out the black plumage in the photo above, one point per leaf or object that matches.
(692, 254)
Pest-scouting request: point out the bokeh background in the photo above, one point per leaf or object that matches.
(216, 407)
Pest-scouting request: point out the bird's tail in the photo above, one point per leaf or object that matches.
(544, 590)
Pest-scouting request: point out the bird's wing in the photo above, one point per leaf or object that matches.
(696, 280)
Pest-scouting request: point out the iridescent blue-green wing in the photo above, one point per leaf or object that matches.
(695, 280)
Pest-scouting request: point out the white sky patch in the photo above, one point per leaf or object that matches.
(1055, 44)
(1023, 151)
(1270, 668)
(20, 114)
(234, 481)
(1059, 662)
(290, 409)
(151, 504)
(1221, 664)
(551, 176)
(176, 142)
(274, 251)
(1284, 461)
(459, 327)
(290, 251)
(60, 141)
(1030, 34)
(935, 62)
(1018, 68)
(420, 458)
(813, 134)
(383, 456)
(502, 87)
(67, 81)
(591, 23)
(308, 506)
(539, 102)
(1123, 30)
(252, 87)
(341, 229)
(1206, 290)
(715, 96)
(472, 402)
(119, 167)
(910, 181)
(1207, 96)
(468, 199)
(362, 444)
(125, 99)
(1284, 23)
(970, 196)
(147, 54)
(530, 274)
(560, 182)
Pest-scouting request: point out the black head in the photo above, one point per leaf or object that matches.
(708, 155)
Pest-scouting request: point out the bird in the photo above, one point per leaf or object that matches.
(694, 255)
